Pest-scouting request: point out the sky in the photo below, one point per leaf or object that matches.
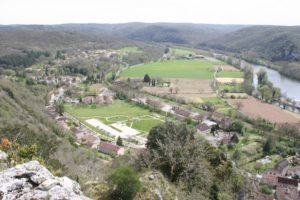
(259, 12)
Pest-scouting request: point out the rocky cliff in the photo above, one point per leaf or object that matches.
(33, 181)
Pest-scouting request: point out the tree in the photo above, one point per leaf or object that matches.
(119, 141)
(262, 77)
(60, 108)
(147, 78)
(167, 50)
(269, 145)
(173, 149)
(176, 90)
(236, 126)
(236, 155)
(265, 92)
(214, 192)
(276, 94)
(125, 184)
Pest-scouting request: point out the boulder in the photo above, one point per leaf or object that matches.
(33, 181)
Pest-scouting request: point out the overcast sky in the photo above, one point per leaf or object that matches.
(272, 12)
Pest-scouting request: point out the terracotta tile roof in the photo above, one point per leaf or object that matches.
(155, 103)
(181, 112)
(282, 165)
(261, 196)
(269, 178)
(203, 127)
(109, 147)
(287, 193)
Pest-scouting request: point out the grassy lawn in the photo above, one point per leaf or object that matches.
(130, 50)
(231, 74)
(134, 116)
(219, 103)
(179, 51)
(193, 69)
(230, 87)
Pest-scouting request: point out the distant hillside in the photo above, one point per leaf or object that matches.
(14, 39)
(274, 43)
(190, 34)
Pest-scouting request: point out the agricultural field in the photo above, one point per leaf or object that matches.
(120, 111)
(189, 69)
(256, 109)
(181, 88)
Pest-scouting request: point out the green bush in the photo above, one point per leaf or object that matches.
(125, 183)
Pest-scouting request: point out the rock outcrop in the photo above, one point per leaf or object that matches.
(33, 181)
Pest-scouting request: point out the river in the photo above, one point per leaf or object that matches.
(289, 87)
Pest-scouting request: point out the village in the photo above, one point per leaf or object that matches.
(75, 104)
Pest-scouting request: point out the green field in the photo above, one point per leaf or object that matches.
(134, 116)
(130, 50)
(231, 74)
(180, 52)
(193, 69)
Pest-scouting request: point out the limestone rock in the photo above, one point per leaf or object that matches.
(33, 181)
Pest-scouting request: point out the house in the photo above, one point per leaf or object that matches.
(78, 133)
(180, 112)
(217, 117)
(228, 139)
(203, 128)
(270, 178)
(260, 196)
(99, 99)
(88, 100)
(90, 140)
(287, 188)
(108, 99)
(111, 149)
(282, 167)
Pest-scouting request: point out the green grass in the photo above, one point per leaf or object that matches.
(231, 74)
(37, 66)
(192, 69)
(230, 87)
(130, 50)
(180, 52)
(140, 119)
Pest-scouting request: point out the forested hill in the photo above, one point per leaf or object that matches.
(36, 136)
(14, 39)
(275, 43)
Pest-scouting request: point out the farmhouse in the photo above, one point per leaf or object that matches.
(111, 149)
